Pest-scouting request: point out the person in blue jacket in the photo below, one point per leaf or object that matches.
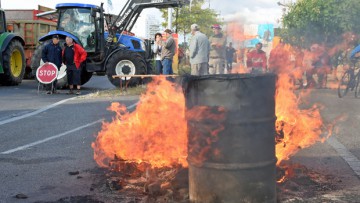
(355, 53)
(52, 53)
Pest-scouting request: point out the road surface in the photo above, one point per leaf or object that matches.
(46, 154)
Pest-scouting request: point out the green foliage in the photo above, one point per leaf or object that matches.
(204, 17)
(320, 21)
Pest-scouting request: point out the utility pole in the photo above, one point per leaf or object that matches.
(169, 18)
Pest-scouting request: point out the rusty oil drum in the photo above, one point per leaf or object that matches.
(239, 166)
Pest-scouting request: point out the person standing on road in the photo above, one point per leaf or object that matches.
(168, 52)
(256, 60)
(52, 54)
(217, 51)
(199, 52)
(230, 51)
(73, 56)
(157, 51)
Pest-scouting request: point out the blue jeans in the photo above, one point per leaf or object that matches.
(158, 67)
(167, 67)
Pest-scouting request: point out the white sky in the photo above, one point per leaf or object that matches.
(253, 11)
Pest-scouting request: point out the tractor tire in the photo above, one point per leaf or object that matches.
(100, 73)
(85, 76)
(13, 64)
(125, 62)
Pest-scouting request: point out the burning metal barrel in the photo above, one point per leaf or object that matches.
(232, 159)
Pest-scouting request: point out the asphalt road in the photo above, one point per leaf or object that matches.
(37, 152)
(337, 159)
(39, 147)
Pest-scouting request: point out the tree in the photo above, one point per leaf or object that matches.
(320, 21)
(185, 16)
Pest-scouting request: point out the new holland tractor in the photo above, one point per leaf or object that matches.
(109, 49)
(12, 60)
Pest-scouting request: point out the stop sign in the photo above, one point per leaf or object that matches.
(47, 73)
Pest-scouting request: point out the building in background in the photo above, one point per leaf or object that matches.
(146, 26)
(152, 26)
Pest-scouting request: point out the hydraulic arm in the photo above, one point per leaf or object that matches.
(133, 8)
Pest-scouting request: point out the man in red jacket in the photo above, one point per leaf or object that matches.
(73, 56)
(256, 60)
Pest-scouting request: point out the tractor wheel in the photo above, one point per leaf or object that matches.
(14, 64)
(125, 62)
(85, 76)
(36, 62)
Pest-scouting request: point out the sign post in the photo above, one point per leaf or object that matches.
(46, 74)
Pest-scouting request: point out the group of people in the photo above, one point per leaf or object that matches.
(207, 55)
(73, 55)
(212, 56)
(164, 52)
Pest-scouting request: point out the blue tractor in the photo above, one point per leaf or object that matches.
(109, 49)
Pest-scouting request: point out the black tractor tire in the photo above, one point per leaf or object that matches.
(28, 73)
(36, 57)
(100, 73)
(125, 62)
(85, 76)
(13, 64)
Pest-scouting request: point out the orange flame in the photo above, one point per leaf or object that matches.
(299, 128)
(155, 132)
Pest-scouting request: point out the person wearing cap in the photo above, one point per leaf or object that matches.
(73, 55)
(199, 51)
(52, 54)
(168, 52)
(217, 51)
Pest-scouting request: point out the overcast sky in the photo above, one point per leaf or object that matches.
(254, 11)
(245, 11)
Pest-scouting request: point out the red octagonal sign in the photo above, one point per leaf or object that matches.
(47, 73)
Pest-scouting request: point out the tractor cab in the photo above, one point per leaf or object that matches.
(82, 21)
(2, 21)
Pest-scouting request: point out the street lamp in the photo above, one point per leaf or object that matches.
(284, 4)
(280, 4)
(283, 10)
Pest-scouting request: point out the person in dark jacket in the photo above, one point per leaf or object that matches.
(73, 56)
(230, 52)
(52, 54)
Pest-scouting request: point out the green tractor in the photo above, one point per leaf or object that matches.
(12, 55)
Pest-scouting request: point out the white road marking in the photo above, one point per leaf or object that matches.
(34, 112)
(349, 158)
(50, 138)
(132, 105)
(57, 136)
